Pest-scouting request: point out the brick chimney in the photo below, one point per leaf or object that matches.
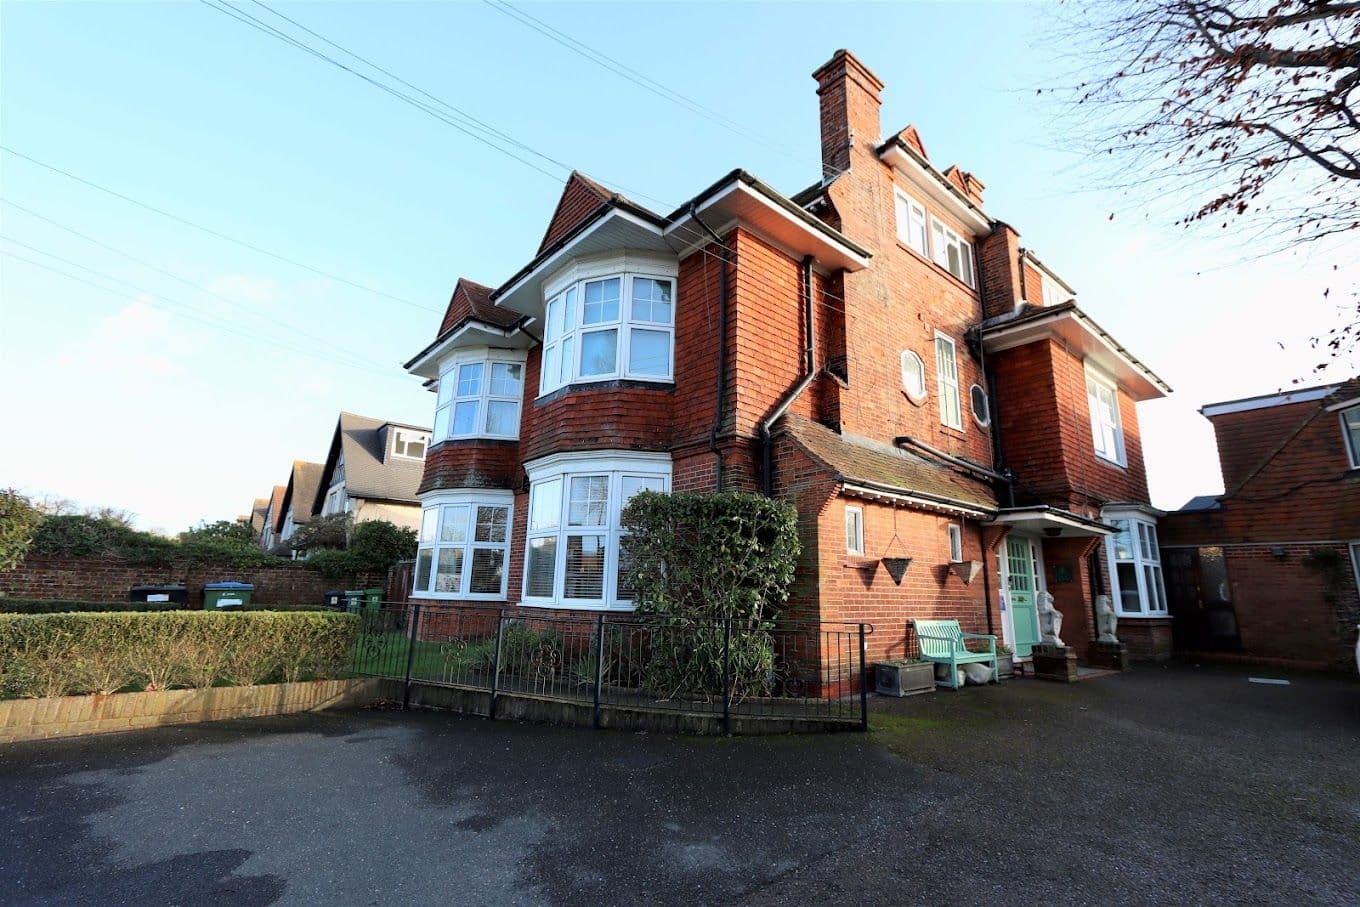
(999, 260)
(849, 104)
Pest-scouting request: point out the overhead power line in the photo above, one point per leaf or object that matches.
(214, 233)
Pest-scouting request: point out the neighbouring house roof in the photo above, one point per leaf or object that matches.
(258, 510)
(276, 506)
(1201, 503)
(1267, 401)
(300, 494)
(865, 463)
(371, 470)
(1081, 334)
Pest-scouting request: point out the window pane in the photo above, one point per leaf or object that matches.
(599, 352)
(470, 379)
(1123, 541)
(488, 571)
(568, 359)
(542, 562)
(448, 575)
(547, 507)
(446, 386)
(602, 301)
(506, 378)
(502, 418)
(423, 561)
(454, 528)
(589, 504)
(585, 567)
(465, 418)
(651, 300)
(569, 310)
(1128, 589)
(554, 319)
(913, 375)
(633, 484)
(624, 590)
(1350, 421)
(491, 524)
(551, 370)
(429, 524)
(1153, 552)
(649, 353)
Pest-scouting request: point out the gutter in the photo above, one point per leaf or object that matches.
(957, 462)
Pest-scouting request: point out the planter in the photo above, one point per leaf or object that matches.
(904, 678)
(1005, 667)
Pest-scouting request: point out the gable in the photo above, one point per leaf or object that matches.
(580, 198)
(473, 300)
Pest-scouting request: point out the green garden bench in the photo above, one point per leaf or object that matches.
(942, 641)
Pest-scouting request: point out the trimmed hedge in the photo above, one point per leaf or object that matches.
(52, 606)
(75, 653)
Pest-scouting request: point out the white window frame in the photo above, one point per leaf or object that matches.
(955, 533)
(1355, 560)
(913, 223)
(1145, 557)
(982, 417)
(946, 384)
(1053, 292)
(569, 291)
(854, 529)
(435, 506)
(446, 404)
(915, 394)
(404, 437)
(1096, 382)
(942, 237)
(334, 496)
(562, 468)
(1351, 442)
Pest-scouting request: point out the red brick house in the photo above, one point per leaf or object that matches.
(1271, 568)
(876, 349)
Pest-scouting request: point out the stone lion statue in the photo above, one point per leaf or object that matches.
(1050, 621)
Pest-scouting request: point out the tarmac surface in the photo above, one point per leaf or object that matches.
(1164, 785)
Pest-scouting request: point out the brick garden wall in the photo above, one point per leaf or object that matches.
(110, 578)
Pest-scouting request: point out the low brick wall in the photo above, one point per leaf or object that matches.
(109, 579)
(72, 716)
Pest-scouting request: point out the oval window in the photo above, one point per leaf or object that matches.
(913, 376)
(978, 397)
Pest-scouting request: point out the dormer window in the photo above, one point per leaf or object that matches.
(1350, 432)
(620, 326)
(479, 397)
(405, 443)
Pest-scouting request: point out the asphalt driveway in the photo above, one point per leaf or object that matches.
(1165, 785)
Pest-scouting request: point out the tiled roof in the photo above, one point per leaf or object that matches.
(471, 300)
(301, 493)
(276, 506)
(862, 461)
(369, 473)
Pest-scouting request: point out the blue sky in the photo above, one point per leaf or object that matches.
(187, 404)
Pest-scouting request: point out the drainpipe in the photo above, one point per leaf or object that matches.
(810, 372)
(724, 261)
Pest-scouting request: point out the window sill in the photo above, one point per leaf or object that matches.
(1166, 616)
(665, 385)
(859, 562)
(509, 442)
(1113, 464)
(455, 597)
(937, 266)
(577, 606)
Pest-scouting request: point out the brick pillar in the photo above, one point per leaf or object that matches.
(999, 260)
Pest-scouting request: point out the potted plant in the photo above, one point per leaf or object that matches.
(904, 677)
(1005, 662)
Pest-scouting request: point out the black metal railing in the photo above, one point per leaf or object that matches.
(778, 669)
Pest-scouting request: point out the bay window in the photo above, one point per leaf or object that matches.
(464, 548)
(618, 326)
(479, 396)
(1136, 568)
(573, 551)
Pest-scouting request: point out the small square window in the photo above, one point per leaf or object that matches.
(854, 530)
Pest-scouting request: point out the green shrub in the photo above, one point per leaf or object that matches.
(374, 546)
(18, 522)
(696, 561)
(87, 536)
(68, 654)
